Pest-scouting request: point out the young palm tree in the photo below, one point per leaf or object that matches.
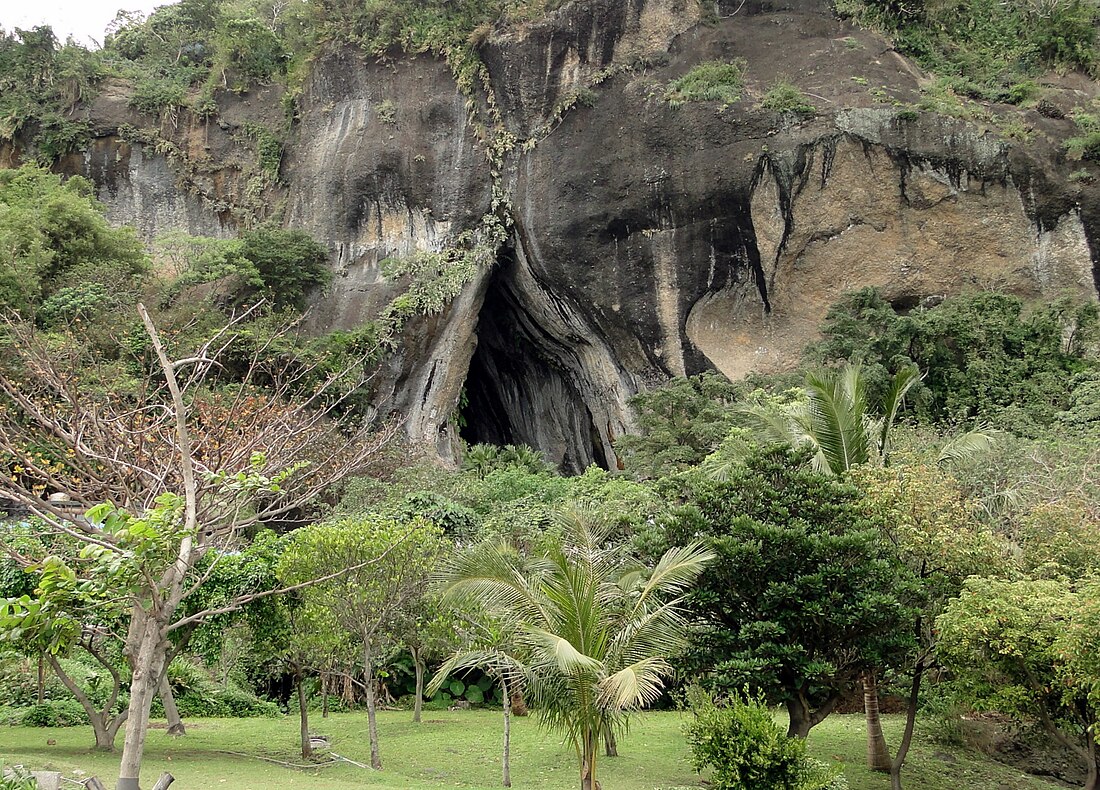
(594, 627)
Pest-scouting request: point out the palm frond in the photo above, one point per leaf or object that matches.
(772, 425)
(837, 408)
(634, 686)
(490, 574)
(966, 447)
(556, 650)
(675, 571)
(903, 381)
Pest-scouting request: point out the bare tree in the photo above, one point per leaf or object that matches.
(168, 451)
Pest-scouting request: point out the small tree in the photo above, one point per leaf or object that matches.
(63, 613)
(492, 648)
(427, 629)
(939, 543)
(390, 563)
(1028, 648)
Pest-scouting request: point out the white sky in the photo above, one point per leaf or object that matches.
(84, 19)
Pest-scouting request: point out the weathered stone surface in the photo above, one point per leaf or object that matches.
(648, 241)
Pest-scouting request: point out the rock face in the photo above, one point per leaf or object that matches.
(646, 241)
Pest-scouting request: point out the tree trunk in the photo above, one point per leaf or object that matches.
(303, 716)
(324, 695)
(147, 646)
(507, 760)
(41, 679)
(610, 744)
(589, 749)
(104, 738)
(1092, 781)
(372, 717)
(418, 703)
(799, 713)
(910, 723)
(171, 712)
(878, 753)
(101, 720)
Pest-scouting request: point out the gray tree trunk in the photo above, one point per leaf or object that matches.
(147, 645)
(372, 710)
(171, 712)
(506, 770)
(418, 703)
(303, 717)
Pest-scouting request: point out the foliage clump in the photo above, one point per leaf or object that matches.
(1086, 143)
(57, 250)
(711, 81)
(987, 49)
(746, 750)
(784, 97)
(983, 355)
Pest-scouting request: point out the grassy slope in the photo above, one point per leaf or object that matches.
(461, 749)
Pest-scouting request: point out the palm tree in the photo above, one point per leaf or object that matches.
(836, 419)
(594, 626)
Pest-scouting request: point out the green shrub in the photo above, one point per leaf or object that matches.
(55, 713)
(783, 97)
(232, 702)
(1086, 143)
(81, 301)
(987, 49)
(289, 262)
(711, 81)
(747, 750)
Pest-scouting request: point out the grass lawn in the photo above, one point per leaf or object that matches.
(462, 749)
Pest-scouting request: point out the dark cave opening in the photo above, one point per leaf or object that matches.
(522, 384)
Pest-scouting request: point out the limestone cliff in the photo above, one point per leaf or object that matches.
(646, 241)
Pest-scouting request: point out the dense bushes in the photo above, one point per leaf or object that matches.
(54, 713)
(53, 237)
(982, 354)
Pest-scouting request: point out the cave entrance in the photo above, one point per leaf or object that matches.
(522, 385)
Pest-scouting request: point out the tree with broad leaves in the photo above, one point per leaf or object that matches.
(846, 430)
(1029, 648)
(803, 597)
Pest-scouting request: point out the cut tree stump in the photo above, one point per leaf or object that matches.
(93, 783)
(165, 780)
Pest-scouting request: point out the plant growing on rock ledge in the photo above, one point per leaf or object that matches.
(783, 97)
(710, 81)
(1086, 143)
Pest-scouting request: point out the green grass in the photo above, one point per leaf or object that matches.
(462, 749)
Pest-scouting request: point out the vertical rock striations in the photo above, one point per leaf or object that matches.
(647, 241)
